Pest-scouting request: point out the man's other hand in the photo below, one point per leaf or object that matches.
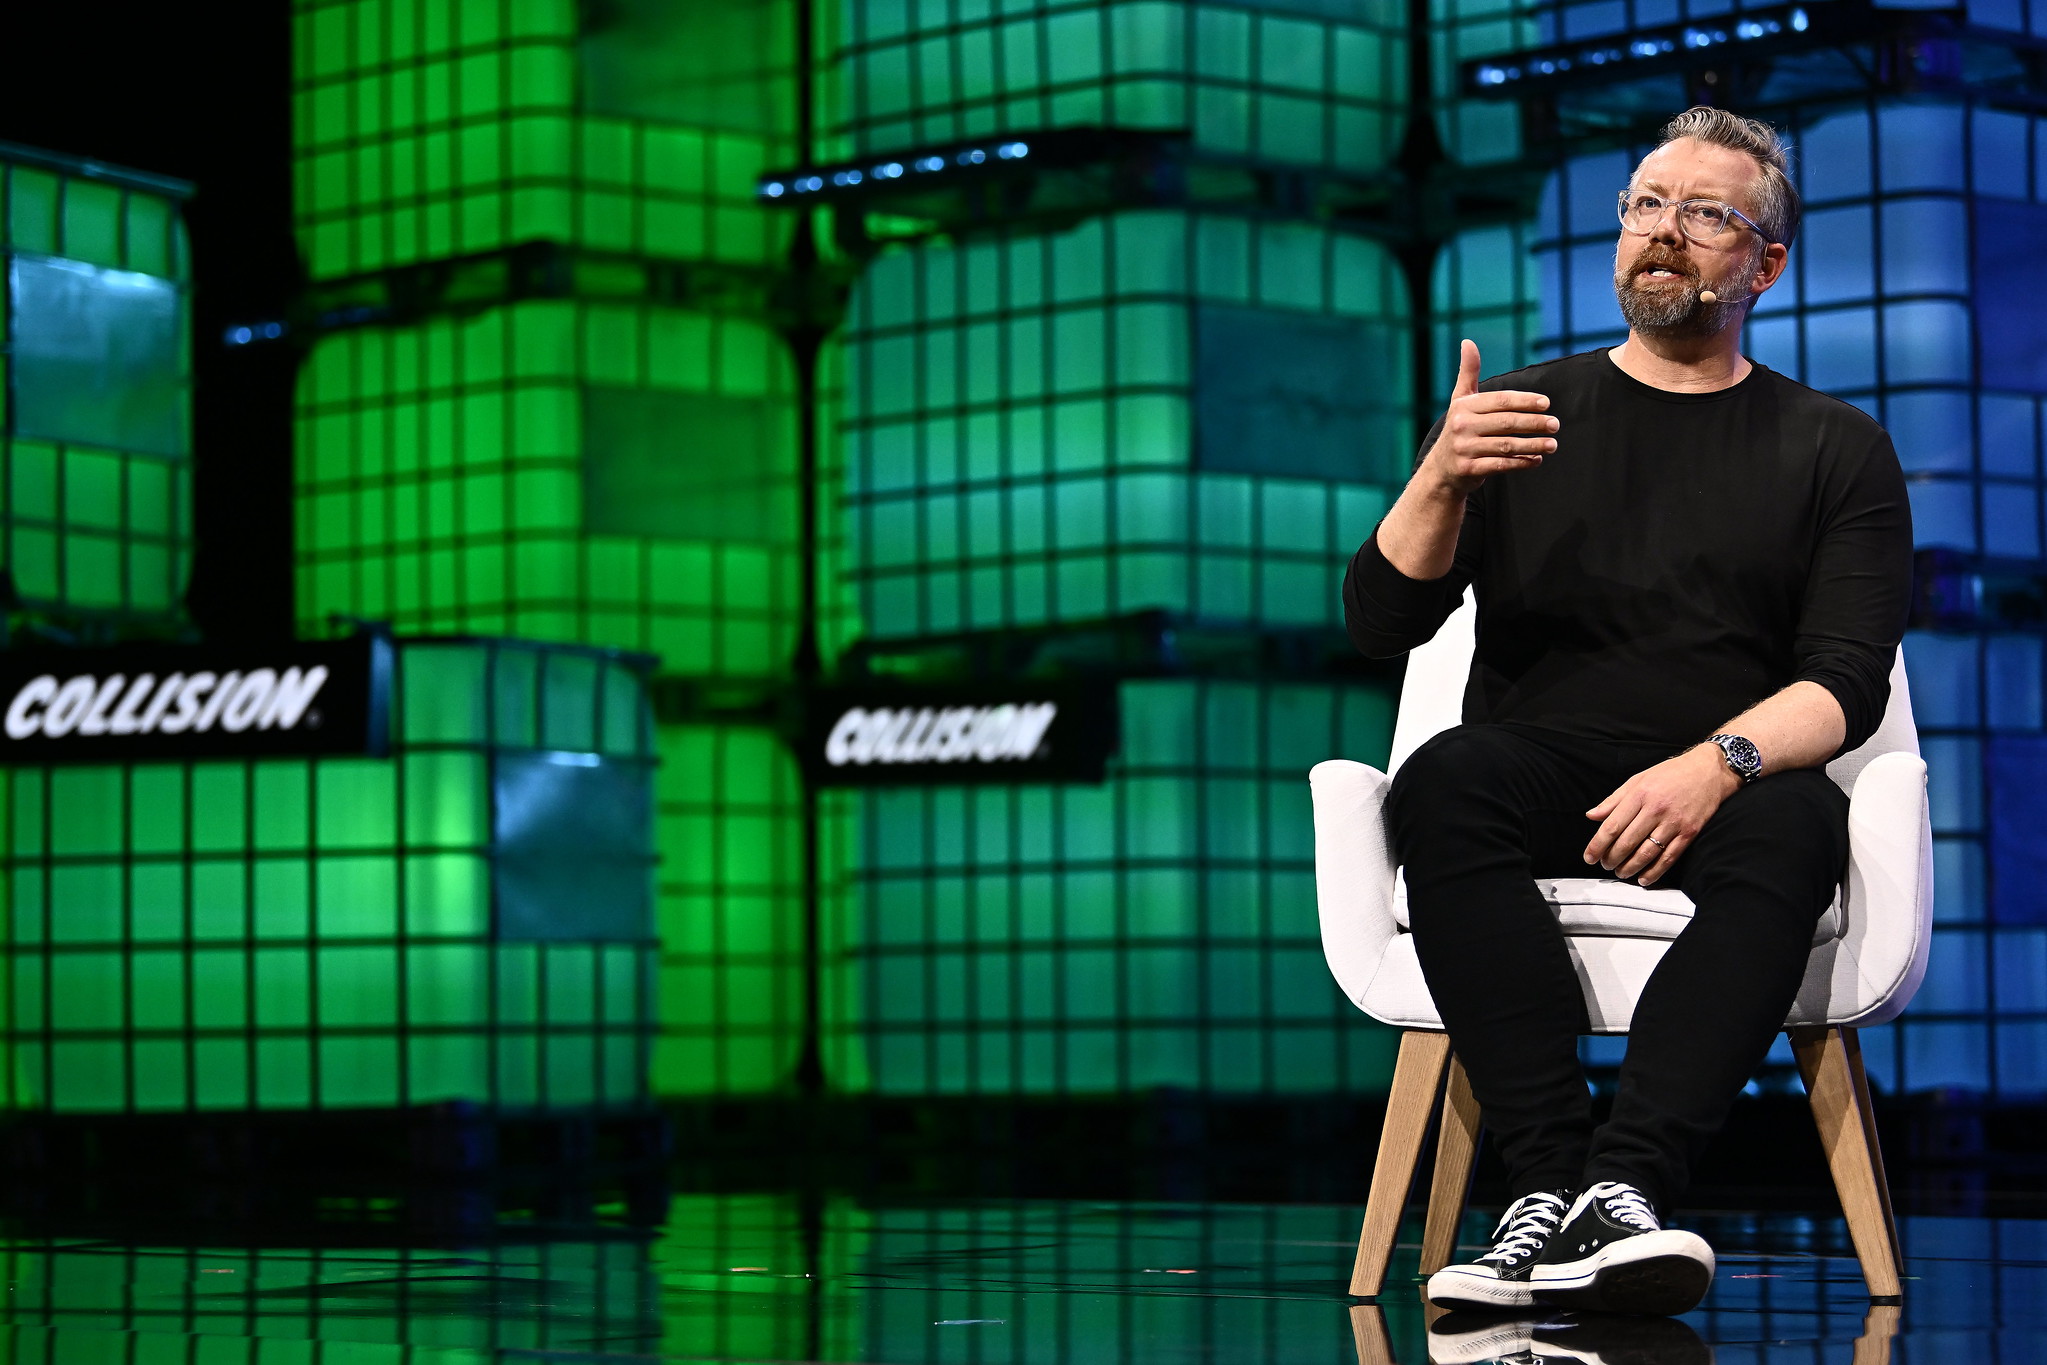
(1488, 433)
(1671, 802)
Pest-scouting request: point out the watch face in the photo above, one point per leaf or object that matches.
(1742, 756)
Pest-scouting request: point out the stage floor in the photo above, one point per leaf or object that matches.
(788, 1278)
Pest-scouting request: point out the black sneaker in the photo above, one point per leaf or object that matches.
(1594, 1339)
(1466, 1338)
(1499, 1278)
(1614, 1256)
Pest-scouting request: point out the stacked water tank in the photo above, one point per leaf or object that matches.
(1168, 414)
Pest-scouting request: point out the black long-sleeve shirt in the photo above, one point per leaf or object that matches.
(1679, 557)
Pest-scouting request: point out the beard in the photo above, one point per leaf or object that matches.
(1671, 307)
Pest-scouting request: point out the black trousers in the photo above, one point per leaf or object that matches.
(1477, 814)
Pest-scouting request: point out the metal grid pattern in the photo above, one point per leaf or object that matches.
(1157, 930)
(1030, 436)
(283, 934)
(1314, 83)
(1880, 309)
(1484, 289)
(1477, 132)
(452, 476)
(94, 529)
(426, 131)
(729, 822)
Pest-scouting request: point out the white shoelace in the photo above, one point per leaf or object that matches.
(1625, 1204)
(1525, 1226)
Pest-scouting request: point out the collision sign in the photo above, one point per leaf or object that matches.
(194, 701)
(877, 734)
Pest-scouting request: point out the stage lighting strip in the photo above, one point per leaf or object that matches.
(1494, 76)
(882, 173)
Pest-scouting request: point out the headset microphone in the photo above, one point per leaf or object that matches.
(1708, 296)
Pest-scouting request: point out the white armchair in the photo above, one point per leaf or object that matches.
(1869, 954)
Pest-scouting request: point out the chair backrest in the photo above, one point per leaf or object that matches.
(1432, 700)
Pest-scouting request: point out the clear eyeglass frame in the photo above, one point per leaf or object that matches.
(1701, 220)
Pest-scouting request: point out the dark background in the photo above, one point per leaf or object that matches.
(201, 92)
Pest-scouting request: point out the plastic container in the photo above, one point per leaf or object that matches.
(347, 933)
(1475, 131)
(1316, 83)
(1152, 410)
(95, 351)
(429, 131)
(1483, 288)
(601, 474)
(1157, 930)
(730, 828)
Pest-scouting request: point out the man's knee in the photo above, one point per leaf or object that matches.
(1803, 804)
(1450, 788)
(1790, 828)
(1446, 768)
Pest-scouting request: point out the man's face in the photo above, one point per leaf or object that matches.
(1657, 278)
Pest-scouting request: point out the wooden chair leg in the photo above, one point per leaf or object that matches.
(1417, 1077)
(1879, 1330)
(1374, 1342)
(1456, 1147)
(1852, 1039)
(1830, 1061)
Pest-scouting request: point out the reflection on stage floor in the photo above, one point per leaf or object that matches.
(790, 1278)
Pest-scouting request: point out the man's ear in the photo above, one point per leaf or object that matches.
(1770, 267)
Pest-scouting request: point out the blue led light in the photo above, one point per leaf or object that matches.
(973, 157)
(891, 171)
(1013, 151)
(929, 163)
(240, 336)
(774, 189)
(1642, 48)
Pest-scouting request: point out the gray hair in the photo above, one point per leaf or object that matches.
(1776, 198)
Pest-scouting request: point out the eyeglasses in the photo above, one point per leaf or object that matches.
(1699, 219)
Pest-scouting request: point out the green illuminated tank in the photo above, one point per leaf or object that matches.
(95, 453)
(350, 932)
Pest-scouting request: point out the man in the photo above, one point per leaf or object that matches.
(1692, 575)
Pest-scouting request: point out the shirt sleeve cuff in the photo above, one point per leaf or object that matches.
(1390, 589)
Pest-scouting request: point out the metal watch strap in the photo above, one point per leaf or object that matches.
(1742, 756)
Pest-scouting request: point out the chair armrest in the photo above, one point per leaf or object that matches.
(1889, 905)
(1353, 871)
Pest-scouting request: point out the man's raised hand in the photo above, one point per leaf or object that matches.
(1483, 434)
(1488, 433)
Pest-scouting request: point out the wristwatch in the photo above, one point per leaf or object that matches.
(1742, 756)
